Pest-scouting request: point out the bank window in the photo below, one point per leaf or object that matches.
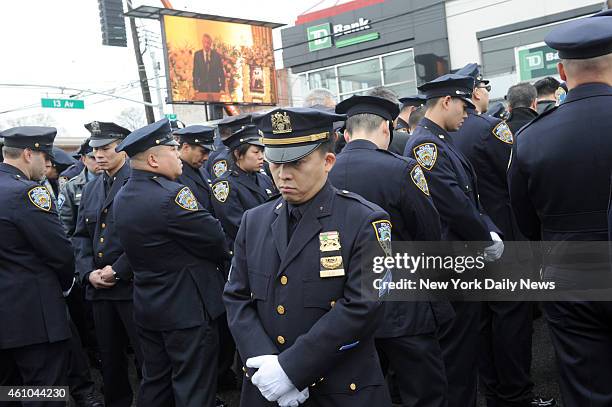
(399, 67)
(325, 78)
(358, 76)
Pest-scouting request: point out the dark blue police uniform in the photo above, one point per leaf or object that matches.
(506, 326)
(407, 335)
(219, 161)
(295, 284)
(174, 246)
(238, 190)
(559, 187)
(197, 179)
(454, 190)
(97, 245)
(36, 266)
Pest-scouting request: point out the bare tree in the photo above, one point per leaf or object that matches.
(132, 118)
(39, 119)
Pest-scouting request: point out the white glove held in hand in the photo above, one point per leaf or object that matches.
(495, 251)
(270, 378)
(293, 398)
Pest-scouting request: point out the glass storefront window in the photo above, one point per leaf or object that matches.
(359, 75)
(399, 67)
(323, 79)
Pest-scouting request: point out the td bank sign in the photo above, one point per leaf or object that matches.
(322, 36)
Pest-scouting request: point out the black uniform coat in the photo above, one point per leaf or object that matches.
(234, 193)
(36, 264)
(198, 184)
(96, 239)
(173, 245)
(519, 117)
(323, 333)
(452, 184)
(390, 180)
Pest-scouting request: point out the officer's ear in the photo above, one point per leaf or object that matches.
(347, 136)
(561, 70)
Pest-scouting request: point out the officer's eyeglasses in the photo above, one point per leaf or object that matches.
(487, 87)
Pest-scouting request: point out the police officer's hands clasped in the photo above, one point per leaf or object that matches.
(494, 251)
(270, 377)
(102, 278)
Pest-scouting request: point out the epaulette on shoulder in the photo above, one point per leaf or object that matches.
(356, 197)
(411, 161)
(538, 117)
(274, 197)
(165, 183)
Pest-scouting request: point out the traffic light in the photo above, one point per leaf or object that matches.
(112, 23)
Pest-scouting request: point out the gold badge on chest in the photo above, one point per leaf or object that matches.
(331, 264)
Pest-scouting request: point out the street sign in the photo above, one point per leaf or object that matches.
(536, 61)
(63, 103)
(170, 116)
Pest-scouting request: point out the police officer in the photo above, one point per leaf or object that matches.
(453, 188)
(563, 154)
(196, 143)
(103, 266)
(70, 194)
(409, 105)
(506, 326)
(56, 163)
(293, 300)
(245, 185)
(407, 335)
(174, 245)
(36, 267)
(219, 161)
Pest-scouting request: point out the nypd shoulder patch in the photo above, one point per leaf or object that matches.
(221, 191)
(60, 200)
(418, 177)
(503, 132)
(186, 200)
(426, 155)
(220, 168)
(383, 235)
(40, 197)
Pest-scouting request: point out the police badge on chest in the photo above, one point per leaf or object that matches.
(331, 257)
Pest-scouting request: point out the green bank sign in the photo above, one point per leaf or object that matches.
(535, 61)
(323, 36)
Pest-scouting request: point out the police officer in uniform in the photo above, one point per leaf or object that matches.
(294, 300)
(409, 105)
(174, 245)
(56, 163)
(407, 335)
(559, 180)
(453, 188)
(245, 185)
(36, 267)
(103, 266)
(506, 326)
(219, 161)
(70, 195)
(196, 143)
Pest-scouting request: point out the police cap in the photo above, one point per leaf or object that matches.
(152, 135)
(245, 135)
(292, 133)
(103, 133)
(473, 70)
(234, 123)
(457, 86)
(415, 100)
(582, 39)
(36, 138)
(368, 105)
(197, 135)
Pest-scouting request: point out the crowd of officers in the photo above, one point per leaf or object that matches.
(196, 252)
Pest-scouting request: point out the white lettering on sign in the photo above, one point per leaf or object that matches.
(551, 56)
(343, 29)
(534, 60)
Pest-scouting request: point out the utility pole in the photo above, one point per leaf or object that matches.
(142, 72)
(160, 103)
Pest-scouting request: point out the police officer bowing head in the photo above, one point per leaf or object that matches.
(480, 93)
(196, 143)
(104, 138)
(153, 149)
(448, 97)
(29, 148)
(369, 117)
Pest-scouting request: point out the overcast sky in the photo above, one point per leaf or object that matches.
(59, 43)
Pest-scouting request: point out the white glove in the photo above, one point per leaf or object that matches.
(293, 398)
(270, 377)
(495, 251)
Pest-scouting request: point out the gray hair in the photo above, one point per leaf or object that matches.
(12, 153)
(385, 93)
(366, 122)
(320, 97)
(521, 95)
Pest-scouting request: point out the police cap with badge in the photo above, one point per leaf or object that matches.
(414, 100)
(473, 70)
(292, 133)
(36, 138)
(453, 85)
(246, 134)
(104, 133)
(369, 105)
(197, 135)
(152, 135)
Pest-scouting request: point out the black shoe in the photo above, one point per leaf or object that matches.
(220, 403)
(543, 402)
(90, 400)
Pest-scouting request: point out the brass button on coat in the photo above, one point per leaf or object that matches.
(284, 280)
(280, 309)
(280, 340)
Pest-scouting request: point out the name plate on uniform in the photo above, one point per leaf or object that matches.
(331, 273)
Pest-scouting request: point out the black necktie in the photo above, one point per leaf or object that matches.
(294, 219)
(108, 184)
